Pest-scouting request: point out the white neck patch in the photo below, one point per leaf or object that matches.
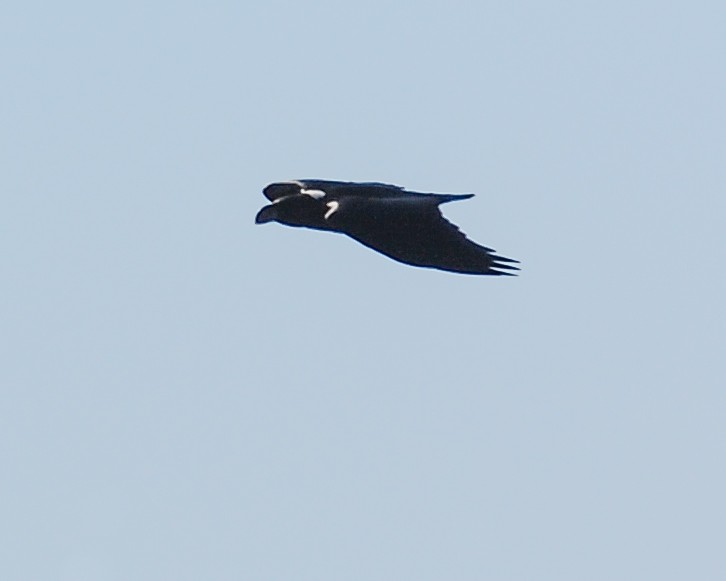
(317, 194)
(333, 207)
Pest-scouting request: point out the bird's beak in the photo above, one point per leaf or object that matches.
(266, 214)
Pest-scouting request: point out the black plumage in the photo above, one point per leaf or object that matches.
(405, 226)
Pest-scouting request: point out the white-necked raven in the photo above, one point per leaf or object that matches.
(405, 226)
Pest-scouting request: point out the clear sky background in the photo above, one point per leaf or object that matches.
(187, 396)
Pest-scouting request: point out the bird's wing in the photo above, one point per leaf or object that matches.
(418, 234)
(314, 187)
(282, 189)
(366, 189)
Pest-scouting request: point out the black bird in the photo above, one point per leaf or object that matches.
(405, 226)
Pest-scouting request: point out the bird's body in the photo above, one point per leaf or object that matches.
(405, 226)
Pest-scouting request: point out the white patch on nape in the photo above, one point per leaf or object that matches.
(333, 207)
(317, 194)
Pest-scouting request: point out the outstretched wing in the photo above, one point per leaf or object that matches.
(315, 187)
(417, 234)
(280, 190)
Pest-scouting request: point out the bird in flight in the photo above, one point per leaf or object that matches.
(405, 226)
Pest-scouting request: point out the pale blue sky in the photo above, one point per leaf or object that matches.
(186, 395)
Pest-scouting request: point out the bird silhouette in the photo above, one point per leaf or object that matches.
(405, 226)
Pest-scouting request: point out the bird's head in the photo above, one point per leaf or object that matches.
(300, 210)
